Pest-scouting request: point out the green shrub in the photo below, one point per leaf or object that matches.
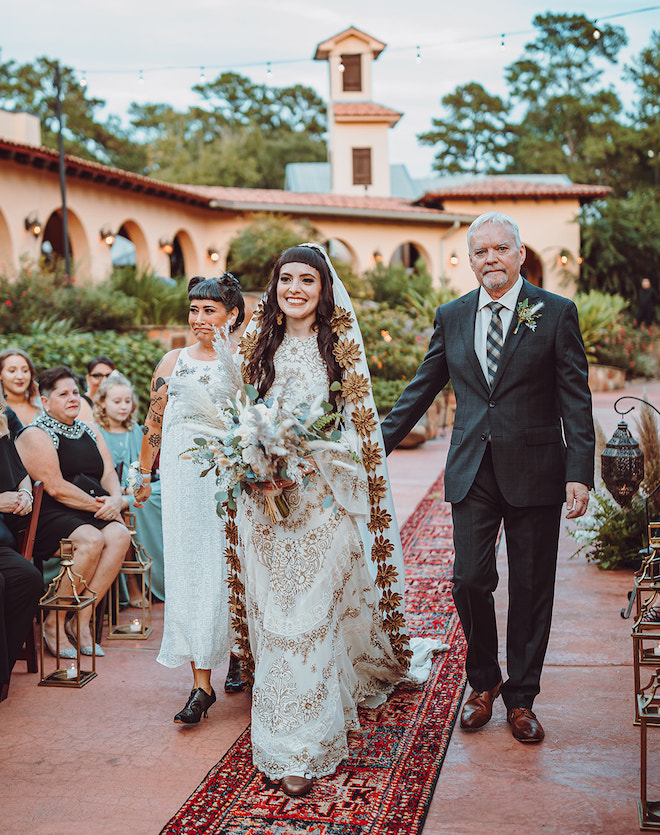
(625, 345)
(387, 392)
(597, 312)
(391, 283)
(255, 249)
(393, 342)
(610, 535)
(157, 301)
(134, 354)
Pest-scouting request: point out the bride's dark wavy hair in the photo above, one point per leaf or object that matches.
(225, 290)
(261, 370)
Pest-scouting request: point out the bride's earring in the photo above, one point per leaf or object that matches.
(280, 318)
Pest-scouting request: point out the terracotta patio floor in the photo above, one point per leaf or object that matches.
(108, 759)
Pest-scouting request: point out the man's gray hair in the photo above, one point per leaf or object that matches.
(493, 217)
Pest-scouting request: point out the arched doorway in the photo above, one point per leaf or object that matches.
(52, 245)
(6, 253)
(132, 232)
(408, 254)
(532, 269)
(339, 250)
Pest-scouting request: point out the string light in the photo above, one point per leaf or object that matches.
(269, 71)
(596, 34)
(83, 80)
(202, 77)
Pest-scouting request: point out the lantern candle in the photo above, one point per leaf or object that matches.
(656, 650)
(71, 670)
(136, 626)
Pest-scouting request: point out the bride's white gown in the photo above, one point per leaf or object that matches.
(316, 633)
(196, 594)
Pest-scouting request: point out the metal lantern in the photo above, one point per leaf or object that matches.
(55, 601)
(622, 465)
(648, 707)
(138, 563)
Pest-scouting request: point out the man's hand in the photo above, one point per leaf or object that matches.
(577, 499)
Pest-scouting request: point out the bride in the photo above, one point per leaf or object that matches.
(324, 586)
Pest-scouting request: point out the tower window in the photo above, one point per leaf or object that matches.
(361, 166)
(352, 75)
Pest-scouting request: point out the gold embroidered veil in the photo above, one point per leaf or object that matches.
(378, 530)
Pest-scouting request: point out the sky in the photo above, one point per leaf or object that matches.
(169, 43)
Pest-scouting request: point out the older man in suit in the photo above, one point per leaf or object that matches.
(521, 445)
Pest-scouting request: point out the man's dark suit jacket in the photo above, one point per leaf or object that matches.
(538, 415)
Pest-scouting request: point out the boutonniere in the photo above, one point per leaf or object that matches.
(528, 315)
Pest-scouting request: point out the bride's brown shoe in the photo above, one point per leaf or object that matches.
(296, 786)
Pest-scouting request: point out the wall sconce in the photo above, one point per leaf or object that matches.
(378, 258)
(33, 226)
(453, 259)
(166, 246)
(213, 254)
(107, 237)
(563, 258)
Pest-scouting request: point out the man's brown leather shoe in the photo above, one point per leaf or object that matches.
(296, 786)
(479, 708)
(524, 725)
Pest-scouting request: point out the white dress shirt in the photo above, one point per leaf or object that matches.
(484, 313)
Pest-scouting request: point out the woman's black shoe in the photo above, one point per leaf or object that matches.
(198, 703)
(234, 682)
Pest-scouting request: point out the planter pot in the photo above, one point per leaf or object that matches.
(606, 378)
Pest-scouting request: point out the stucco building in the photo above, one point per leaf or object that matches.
(364, 208)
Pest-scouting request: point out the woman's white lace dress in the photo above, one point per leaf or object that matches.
(316, 632)
(196, 595)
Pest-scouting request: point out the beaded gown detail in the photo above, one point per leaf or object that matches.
(196, 595)
(316, 632)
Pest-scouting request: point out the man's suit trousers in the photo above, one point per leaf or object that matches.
(532, 535)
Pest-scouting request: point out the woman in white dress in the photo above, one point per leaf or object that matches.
(196, 594)
(323, 587)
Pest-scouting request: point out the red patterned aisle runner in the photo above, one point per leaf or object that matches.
(386, 784)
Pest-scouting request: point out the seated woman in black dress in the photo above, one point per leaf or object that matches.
(62, 452)
(21, 584)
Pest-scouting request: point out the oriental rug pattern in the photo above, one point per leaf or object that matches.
(386, 784)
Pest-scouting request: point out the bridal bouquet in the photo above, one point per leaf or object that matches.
(255, 444)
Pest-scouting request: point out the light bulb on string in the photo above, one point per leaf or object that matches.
(202, 77)
(503, 41)
(269, 71)
(141, 78)
(418, 57)
(83, 80)
(596, 33)
(341, 66)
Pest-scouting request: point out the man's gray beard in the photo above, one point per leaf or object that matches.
(495, 284)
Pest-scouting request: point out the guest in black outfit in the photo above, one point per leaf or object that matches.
(21, 584)
(646, 303)
(82, 498)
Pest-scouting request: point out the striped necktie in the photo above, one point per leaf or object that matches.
(494, 340)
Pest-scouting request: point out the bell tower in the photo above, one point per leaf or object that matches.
(357, 126)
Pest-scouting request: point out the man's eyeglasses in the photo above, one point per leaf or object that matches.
(98, 375)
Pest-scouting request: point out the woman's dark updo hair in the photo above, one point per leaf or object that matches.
(261, 371)
(225, 290)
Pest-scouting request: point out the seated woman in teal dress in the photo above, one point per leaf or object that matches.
(115, 410)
